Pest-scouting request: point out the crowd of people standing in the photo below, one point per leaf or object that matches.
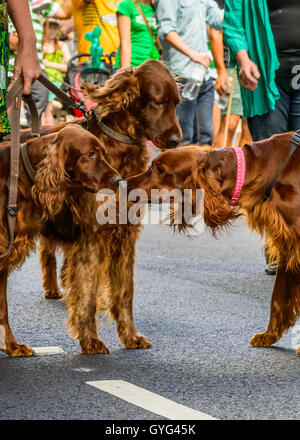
(247, 49)
(178, 32)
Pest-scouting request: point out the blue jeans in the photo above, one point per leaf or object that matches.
(196, 116)
(285, 117)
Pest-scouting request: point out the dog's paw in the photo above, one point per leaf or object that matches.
(19, 350)
(265, 339)
(137, 341)
(95, 346)
(53, 293)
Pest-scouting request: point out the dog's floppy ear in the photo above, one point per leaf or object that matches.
(49, 189)
(118, 93)
(217, 211)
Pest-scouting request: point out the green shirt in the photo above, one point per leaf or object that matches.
(4, 54)
(142, 44)
(54, 74)
(247, 26)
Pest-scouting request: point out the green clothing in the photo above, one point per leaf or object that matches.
(4, 54)
(142, 44)
(247, 26)
(54, 74)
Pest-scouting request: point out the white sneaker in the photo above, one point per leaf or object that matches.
(40, 5)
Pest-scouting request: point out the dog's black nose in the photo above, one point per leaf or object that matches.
(175, 140)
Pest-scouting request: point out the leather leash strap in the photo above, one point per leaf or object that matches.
(26, 162)
(67, 100)
(70, 102)
(14, 99)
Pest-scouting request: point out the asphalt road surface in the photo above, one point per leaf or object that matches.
(198, 301)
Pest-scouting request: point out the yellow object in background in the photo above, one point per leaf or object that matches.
(101, 13)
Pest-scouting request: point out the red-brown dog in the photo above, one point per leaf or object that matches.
(69, 167)
(278, 218)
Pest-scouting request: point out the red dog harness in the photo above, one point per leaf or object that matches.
(240, 174)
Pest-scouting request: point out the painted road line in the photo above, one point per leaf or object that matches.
(48, 350)
(83, 369)
(2, 337)
(149, 401)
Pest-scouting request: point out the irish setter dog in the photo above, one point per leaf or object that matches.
(277, 218)
(69, 168)
(141, 104)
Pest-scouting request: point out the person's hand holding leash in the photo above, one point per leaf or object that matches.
(26, 63)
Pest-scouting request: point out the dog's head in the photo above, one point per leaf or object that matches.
(172, 169)
(147, 96)
(74, 161)
(181, 169)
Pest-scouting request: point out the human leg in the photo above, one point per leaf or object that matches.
(204, 114)
(186, 117)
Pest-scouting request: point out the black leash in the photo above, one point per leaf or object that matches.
(70, 102)
(14, 98)
(67, 100)
(295, 142)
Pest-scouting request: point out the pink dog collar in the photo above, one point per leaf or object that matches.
(240, 174)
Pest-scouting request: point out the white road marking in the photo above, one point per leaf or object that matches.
(48, 350)
(2, 337)
(149, 401)
(84, 369)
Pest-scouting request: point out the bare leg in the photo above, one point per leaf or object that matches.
(48, 265)
(246, 137)
(48, 117)
(285, 308)
(233, 123)
(12, 348)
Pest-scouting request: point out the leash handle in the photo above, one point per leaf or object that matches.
(14, 99)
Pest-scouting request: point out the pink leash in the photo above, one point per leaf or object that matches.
(240, 174)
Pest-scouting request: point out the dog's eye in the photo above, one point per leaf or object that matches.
(160, 170)
(92, 154)
(160, 104)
